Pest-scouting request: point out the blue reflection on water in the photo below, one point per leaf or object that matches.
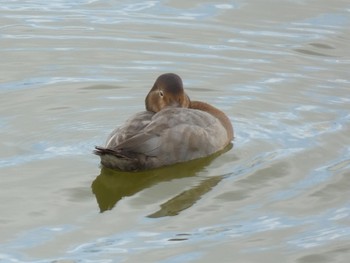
(320, 230)
(9, 252)
(46, 150)
(37, 82)
(314, 178)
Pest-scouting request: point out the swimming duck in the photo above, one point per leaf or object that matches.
(173, 129)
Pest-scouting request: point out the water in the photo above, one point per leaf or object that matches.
(71, 71)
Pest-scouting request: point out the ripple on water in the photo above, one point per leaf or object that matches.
(73, 70)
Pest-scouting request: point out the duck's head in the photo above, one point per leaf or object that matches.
(167, 91)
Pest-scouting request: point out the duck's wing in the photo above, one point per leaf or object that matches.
(176, 135)
(134, 125)
(170, 136)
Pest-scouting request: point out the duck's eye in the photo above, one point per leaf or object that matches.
(161, 93)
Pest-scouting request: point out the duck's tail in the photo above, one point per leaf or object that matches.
(100, 151)
(116, 159)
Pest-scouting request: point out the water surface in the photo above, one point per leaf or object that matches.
(70, 72)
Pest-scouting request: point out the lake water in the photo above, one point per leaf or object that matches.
(71, 71)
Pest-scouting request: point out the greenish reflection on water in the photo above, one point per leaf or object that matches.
(110, 186)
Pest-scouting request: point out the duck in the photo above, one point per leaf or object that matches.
(172, 129)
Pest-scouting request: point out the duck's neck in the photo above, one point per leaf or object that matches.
(225, 121)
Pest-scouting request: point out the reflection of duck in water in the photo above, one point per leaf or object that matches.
(172, 130)
(111, 186)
